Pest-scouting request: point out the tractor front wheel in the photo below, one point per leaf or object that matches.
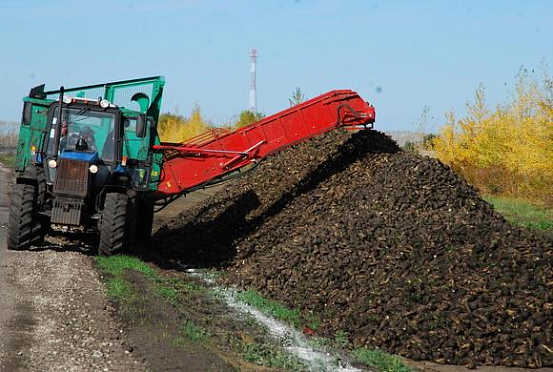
(25, 227)
(116, 225)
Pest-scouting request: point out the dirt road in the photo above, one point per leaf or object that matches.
(53, 315)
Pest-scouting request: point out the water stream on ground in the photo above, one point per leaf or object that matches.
(317, 358)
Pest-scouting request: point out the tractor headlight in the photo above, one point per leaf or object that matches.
(52, 163)
(93, 169)
(104, 103)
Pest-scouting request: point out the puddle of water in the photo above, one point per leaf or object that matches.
(316, 358)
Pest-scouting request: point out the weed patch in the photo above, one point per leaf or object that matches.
(118, 288)
(270, 356)
(341, 339)
(115, 265)
(523, 213)
(272, 308)
(188, 287)
(380, 360)
(7, 160)
(194, 332)
(168, 293)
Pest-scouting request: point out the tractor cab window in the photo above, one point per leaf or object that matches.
(135, 147)
(137, 150)
(85, 130)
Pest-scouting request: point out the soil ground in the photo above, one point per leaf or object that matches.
(55, 315)
(194, 331)
(153, 332)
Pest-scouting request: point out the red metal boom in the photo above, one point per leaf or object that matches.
(219, 152)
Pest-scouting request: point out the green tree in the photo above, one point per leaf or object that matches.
(297, 97)
(247, 117)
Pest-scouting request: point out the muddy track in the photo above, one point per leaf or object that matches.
(53, 313)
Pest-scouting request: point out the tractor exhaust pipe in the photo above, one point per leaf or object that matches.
(57, 133)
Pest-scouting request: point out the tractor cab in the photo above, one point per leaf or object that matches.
(93, 146)
(80, 144)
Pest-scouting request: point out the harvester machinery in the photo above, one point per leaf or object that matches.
(90, 159)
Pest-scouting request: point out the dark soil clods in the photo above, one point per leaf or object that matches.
(391, 247)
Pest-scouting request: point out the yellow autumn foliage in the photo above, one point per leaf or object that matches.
(508, 150)
(176, 129)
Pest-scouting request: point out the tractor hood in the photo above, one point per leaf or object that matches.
(90, 157)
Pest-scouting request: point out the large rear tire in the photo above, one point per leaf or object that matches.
(25, 228)
(117, 224)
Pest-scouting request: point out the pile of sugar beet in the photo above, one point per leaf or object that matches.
(393, 248)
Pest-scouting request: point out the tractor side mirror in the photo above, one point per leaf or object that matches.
(27, 113)
(141, 126)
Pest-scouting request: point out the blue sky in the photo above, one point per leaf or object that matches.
(399, 55)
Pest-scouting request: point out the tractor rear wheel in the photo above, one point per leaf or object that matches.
(116, 225)
(25, 226)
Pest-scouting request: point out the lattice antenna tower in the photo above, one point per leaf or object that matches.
(253, 82)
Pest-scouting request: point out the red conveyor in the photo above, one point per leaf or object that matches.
(218, 152)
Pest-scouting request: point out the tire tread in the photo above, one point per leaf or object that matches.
(114, 226)
(24, 226)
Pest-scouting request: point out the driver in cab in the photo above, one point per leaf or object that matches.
(81, 141)
(86, 140)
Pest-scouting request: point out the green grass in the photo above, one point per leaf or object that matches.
(189, 287)
(339, 342)
(382, 361)
(312, 322)
(180, 342)
(270, 356)
(193, 332)
(7, 160)
(170, 294)
(118, 288)
(115, 265)
(341, 339)
(262, 354)
(523, 213)
(272, 308)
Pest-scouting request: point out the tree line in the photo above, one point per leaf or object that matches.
(176, 128)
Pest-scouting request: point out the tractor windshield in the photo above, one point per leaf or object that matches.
(85, 130)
